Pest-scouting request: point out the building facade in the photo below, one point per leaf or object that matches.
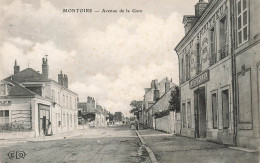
(205, 67)
(38, 102)
(219, 70)
(246, 71)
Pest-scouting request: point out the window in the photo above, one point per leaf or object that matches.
(184, 115)
(213, 58)
(70, 103)
(223, 39)
(225, 109)
(242, 21)
(187, 67)
(70, 120)
(189, 114)
(182, 70)
(4, 116)
(198, 58)
(64, 121)
(63, 101)
(214, 110)
(53, 96)
(2, 89)
(59, 98)
(67, 101)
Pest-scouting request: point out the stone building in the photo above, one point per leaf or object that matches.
(34, 100)
(206, 73)
(219, 69)
(246, 71)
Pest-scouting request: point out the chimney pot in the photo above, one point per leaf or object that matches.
(16, 68)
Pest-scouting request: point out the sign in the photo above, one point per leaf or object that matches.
(199, 79)
(5, 103)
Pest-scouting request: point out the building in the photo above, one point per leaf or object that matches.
(219, 72)
(246, 71)
(152, 96)
(34, 100)
(205, 67)
(92, 113)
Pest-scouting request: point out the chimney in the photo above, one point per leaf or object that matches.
(156, 94)
(45, 67)
(89, 100)
(200, 7)
(16, 68)
(60, 78)
(167, 85)
(65, 81)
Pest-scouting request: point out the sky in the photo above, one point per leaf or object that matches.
(109, 56)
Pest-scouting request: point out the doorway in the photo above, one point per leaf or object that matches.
(44, 118)
(200, 112)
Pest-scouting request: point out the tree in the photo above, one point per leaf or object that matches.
(175, 99)
(118, 116)
(136, 106)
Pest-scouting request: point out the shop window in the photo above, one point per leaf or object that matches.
(223, 38)
(4, 116)
(225, 109)
(242, 21)
(214, 110)
(183, 115)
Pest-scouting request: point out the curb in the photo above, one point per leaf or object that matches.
(148, 149)
(57, 138)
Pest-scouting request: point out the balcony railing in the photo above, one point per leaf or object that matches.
(223, 52)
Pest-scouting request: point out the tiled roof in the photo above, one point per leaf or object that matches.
(18, 90)
(28, 75)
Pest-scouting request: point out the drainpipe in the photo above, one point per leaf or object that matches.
(233, 68)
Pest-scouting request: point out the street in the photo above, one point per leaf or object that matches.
(121, 144)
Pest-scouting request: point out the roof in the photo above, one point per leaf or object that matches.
(18, 90)
(29, 75)
(204, 14)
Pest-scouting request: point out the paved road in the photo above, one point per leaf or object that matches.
(112, 144)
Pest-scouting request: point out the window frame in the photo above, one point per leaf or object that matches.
(242, 22)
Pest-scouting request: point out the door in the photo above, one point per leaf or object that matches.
(44, 118)
(200, 113)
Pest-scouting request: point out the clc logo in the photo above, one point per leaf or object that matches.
(16, 154)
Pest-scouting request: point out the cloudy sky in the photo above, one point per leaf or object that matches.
(110, 56)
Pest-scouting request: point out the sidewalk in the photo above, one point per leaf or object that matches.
(58, 136)
(171, 148)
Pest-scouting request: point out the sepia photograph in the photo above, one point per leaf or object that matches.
(130, 81)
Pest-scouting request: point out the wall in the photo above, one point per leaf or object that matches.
(166, 123)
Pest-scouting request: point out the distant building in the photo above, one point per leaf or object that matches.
(92, 113)
(152, 95)
(219, 69)
(32, 100)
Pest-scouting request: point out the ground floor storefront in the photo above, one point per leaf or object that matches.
(206, 104)
(34, 117)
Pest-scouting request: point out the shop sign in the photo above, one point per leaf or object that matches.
(5, 103)
(199, 79)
